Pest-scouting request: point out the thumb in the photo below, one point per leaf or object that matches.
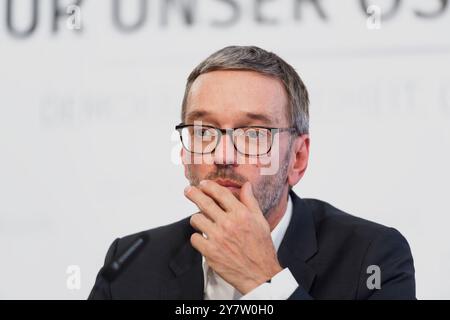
(247, 197)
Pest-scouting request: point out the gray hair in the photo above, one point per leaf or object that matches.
(252, 58)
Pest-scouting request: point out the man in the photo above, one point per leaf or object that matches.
(245, 145)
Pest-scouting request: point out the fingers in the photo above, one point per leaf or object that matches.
(202, 224)
(248, 199)
(199, 243)
(205, 203)
(222, 195)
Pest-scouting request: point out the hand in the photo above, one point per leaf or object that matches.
(239, 246)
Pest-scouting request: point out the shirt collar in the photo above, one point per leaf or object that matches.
(280, 229)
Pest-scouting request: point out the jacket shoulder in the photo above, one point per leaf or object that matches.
(170, 234)
(326, 217)
(349, 247)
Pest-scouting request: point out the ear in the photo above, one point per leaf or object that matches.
(299, 161)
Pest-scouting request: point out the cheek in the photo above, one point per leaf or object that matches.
(279, 149)
(255, 163)
(189, 158)
(271, 163)
(269, 159)
(251, 173)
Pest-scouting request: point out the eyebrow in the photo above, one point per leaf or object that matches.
(259, 117)
(196, 114)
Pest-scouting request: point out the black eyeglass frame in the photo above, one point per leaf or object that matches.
(229, 132)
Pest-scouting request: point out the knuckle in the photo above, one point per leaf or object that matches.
(243, 216)
(229, 230)
(219, 238)
(195, 238)
(209, 203)
(246, 214)
(194, 219)
(227, 225)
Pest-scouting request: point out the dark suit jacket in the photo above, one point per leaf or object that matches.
(328, 252)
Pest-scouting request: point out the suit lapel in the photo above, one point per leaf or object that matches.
(188, 271)
(299, 243)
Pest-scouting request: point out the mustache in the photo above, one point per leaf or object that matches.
(226, 173)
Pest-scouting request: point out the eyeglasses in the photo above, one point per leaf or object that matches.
(249, 141)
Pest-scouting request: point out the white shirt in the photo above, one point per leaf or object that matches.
(281, 286)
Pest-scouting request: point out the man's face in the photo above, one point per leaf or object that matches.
(231, 99)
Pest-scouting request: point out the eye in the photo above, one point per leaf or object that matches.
(203, 132)
(255, 133)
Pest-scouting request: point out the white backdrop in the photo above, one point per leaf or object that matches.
(87, 118)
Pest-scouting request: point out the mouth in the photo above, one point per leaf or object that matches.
(231, 185)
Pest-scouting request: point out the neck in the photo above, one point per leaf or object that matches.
(277, 213)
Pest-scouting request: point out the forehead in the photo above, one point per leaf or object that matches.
(237, 97)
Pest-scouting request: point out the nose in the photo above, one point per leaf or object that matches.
(225, 152)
